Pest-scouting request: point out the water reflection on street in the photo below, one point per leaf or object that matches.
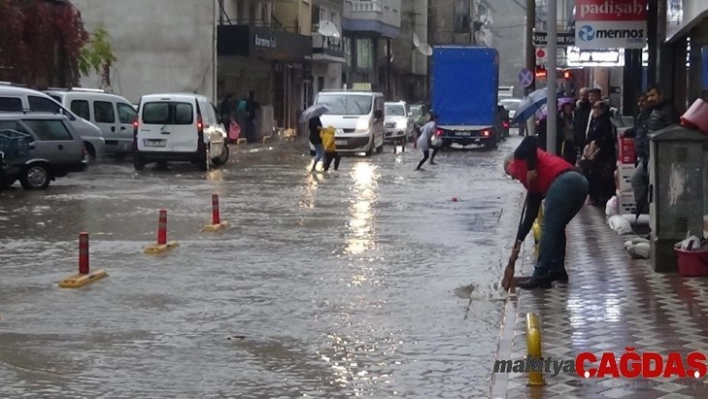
(326, 285)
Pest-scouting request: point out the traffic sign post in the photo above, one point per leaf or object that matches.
(525, 77)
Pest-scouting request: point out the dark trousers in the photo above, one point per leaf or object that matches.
(426, 155)
(329, 157)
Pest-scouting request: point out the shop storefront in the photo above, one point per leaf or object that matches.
(275, 65)
(685, 58)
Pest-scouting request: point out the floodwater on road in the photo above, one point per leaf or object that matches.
(329, 286)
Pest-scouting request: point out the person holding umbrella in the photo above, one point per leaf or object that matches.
(564, 189)
(312, 116)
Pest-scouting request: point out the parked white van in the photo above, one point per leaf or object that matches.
(21, 99)
(357, 116)
(113, 114)
(178, 127)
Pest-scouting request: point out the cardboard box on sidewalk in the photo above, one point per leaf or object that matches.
(626, 155)
(622, 177)
(626, 202)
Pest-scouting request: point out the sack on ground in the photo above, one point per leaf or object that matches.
(612, 207)
(640, 250)
(619, 225)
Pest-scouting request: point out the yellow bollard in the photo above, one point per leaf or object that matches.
(533, 343)
(537, 231)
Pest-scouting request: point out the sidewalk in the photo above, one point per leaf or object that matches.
(612, 302)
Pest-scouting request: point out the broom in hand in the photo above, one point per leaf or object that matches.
(509, 270)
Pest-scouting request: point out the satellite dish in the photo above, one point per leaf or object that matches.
(426, 49)
(416, 41)
(328, 29)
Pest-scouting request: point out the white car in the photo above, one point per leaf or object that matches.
(21, 99)
(113, 114)
(178, 127)
(398, 121)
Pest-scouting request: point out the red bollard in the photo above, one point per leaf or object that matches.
(162, 228)
(215, 214)
(83, 253)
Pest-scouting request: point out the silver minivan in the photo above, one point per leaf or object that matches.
(357, 116)
(22, 99)
(113, 114)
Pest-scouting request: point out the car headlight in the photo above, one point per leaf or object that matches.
(338, 132)
(362, 127)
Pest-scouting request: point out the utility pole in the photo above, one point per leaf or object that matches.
(552, 76)
(530, 48)
(530, 58)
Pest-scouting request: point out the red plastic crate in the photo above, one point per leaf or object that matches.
(692, 263)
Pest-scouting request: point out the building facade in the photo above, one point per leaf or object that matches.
(265, 47)
(460, 22)
(328, 55)
(163, 46)
(369, 26)
(408, 56)
(683, 54)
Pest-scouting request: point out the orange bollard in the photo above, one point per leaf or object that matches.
(83, 253)
(84, 276)
(162, 245)
(216, 223)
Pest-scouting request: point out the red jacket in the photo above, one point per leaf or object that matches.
(548, 167)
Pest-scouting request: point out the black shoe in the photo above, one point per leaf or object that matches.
(535, 282)
(561, 276)
(433, 163)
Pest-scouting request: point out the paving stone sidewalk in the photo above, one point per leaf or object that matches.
(611, 302)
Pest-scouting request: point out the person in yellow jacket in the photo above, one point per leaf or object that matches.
(330, 148)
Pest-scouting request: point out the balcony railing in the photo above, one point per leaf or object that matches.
(367, 6)
(327, 46)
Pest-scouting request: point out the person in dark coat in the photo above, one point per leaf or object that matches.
(600, 156)
(583, 110)
(659, 113)
(227, 109)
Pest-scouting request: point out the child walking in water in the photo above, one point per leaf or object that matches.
(426, 135)
(330, 148)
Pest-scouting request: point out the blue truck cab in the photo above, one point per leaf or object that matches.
(465, 86)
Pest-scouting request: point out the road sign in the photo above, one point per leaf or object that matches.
(541, 56)
(565, 38)
(525, 77)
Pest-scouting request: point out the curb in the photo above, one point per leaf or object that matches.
(255, 148)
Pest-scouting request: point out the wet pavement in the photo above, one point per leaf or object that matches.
(611, 303)
(350, 284)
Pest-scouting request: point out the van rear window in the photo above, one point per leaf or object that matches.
(168, 113)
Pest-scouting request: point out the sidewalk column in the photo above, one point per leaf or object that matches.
(552, 78)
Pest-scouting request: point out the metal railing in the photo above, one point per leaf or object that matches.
(367, 6)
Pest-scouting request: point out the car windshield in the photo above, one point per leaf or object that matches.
(417, 110)
(346, 104)
(511, 105)
(394, 110)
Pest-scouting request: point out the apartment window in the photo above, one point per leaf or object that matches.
(364, 54)
(462, 16)
(347, 47)
(315, 14)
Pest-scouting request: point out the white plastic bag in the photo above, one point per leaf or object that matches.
(634, 241)
(436, 141)
(691, 243)
(612, 206)
(619, 225)
(640, 250)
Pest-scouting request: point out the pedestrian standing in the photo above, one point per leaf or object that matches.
(426, 136)
(330, 148)
(316, 140)
(565, 189)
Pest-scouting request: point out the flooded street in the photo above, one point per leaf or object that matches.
(335, 286)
